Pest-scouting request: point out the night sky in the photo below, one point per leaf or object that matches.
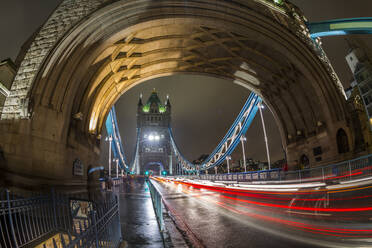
(203, 107)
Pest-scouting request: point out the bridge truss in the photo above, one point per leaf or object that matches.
(116, 143)
(227, 144)
(219, 154)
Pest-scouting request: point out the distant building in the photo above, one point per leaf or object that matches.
(360, 97)
(7, 73)
(201, 159)
(153, 121)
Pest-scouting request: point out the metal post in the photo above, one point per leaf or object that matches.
(11, 219)
(349, 170)
(228, 164)
(54, 208)
(170, 165)
(117, 168)
(243, 151)
(260, 106)
(215, 170)
(95, 227)
(110, 139)
(323, 173)
(138, 164)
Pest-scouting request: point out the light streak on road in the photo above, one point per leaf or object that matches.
(337, 217)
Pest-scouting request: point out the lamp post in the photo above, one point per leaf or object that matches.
(243, 139)
(260, 107)
(215, 170)
(116, 160)
(228, 164)
(109, 139)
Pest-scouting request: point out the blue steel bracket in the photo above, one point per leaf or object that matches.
(361, 25)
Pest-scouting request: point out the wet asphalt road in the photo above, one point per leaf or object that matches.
(221, 220)
(137, 217)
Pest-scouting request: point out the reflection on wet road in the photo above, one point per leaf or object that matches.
(231, 217)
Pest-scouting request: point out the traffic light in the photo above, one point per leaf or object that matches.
(146, 173)
(164, 173)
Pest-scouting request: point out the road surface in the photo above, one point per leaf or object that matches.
(220, 217)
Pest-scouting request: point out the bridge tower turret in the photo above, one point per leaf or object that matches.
(153, 121)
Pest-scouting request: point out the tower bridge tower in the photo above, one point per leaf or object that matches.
(154, 147)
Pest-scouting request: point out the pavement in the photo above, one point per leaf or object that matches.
(137, 217)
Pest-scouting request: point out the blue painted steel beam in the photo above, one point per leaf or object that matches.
(95, 169)
(117, 146)
(252, 101)
(341, 27)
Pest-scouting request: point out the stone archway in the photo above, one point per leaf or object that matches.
(73, 73)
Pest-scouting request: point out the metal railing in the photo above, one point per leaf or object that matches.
(157, 203)
(68, 221)
(344, 171)
(264, 175)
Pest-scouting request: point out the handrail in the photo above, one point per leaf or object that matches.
(157, 203)
(354, 169)
(77, 220)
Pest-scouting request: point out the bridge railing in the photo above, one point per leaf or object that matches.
(58, 220)
(157, 202)
(344, 171)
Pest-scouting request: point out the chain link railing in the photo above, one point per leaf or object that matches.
(58, 220)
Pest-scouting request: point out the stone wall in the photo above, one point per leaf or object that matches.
(68, 13)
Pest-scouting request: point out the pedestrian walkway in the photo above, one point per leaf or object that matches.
(137, 217)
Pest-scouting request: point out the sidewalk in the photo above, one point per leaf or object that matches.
(139, 226)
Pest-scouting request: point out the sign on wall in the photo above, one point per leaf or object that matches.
(78, 168)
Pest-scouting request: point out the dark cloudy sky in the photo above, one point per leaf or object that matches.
(203, 108)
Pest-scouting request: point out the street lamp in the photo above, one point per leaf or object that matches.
(109, 139)
(243, 139)
(260, 107)
(215, 170)
(228, 158)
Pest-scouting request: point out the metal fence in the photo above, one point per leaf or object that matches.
(344, 171)
(58, 220)
(157, 203)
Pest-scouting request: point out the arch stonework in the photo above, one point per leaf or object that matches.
(90, 52)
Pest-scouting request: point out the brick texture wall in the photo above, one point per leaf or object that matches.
(68, 13)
